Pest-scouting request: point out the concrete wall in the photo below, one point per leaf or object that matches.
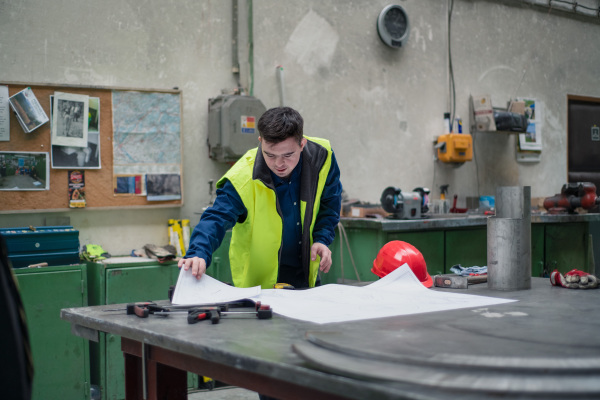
(380, 107)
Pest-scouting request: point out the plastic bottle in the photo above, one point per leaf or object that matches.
(447, 124)
(175, 236)
(178, 238)
(185, 227)
(458, 128)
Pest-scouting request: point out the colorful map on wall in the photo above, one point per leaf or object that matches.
(146, 128)
(146, 133)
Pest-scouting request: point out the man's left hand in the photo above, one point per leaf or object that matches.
(322, 251)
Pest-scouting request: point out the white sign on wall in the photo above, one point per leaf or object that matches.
(595, 133)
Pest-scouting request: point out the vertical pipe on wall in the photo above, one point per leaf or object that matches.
(448, 104)
(235, 38)
(251, 46)
(279, 70)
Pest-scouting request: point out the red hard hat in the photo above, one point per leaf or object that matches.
(394, 254)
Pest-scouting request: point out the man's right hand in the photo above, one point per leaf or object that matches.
(197, 264)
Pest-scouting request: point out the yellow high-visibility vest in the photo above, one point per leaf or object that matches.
(256, 242)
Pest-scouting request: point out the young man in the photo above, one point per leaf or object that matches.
(282, 200)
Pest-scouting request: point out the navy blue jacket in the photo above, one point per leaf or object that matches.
(228, 209)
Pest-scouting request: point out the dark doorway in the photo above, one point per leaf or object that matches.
(583, 131)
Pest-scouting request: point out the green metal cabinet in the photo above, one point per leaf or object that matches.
(219, 267)
(467, 247)
(60, 359)
(429, 243)
(562, 245)
(117, 283)
(537, 251)
(364, 244)
(565, 247)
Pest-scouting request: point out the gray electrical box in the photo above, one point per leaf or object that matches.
(233, 126)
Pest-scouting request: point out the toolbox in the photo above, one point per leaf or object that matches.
(55, 245)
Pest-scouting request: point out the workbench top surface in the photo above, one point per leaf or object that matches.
(447, 221)
(548, 326)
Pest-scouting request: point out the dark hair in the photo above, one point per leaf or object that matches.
(279, 123)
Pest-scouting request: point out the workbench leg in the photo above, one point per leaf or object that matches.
(133, 377)
(163, 382)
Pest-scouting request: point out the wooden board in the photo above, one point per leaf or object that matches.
(98, 182)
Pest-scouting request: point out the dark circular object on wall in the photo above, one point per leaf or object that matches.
(393, 26)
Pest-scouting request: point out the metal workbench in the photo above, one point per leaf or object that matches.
(557, 242)
(545, 345)
(447, 221)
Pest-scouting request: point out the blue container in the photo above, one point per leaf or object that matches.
(487, 202)
(56, 245)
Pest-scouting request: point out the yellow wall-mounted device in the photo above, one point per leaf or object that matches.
(455, 147)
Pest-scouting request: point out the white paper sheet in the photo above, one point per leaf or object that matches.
(399, 293)
(207, 290)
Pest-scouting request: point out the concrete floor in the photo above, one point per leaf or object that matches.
(21, 182)
(224, 393)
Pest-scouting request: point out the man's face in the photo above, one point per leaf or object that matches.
(282, 157)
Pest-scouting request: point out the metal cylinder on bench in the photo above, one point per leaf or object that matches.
(509, 240)
(514, 202)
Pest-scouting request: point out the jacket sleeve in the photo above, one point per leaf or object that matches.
(330, 207)
(208, 234)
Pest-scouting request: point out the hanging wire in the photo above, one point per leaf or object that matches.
(452, 88)
(350, 253)
(476, 165)
(344, 237)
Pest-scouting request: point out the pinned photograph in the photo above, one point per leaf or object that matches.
(65, 157)
(78, 157)
(163, 187)
(532, 138)
(24, 171)
(77, 189)
(70, 119)
(30, 113)
(94, 115)
(129, 185)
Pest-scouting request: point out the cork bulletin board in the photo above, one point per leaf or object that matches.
(100, 182)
